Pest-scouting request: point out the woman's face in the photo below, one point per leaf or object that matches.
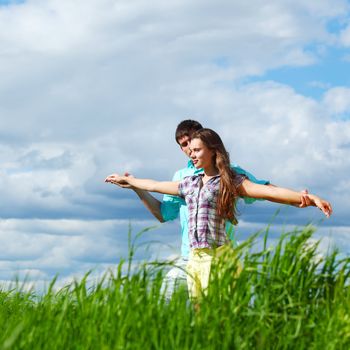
(201, 155)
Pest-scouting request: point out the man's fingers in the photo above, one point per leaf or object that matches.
(308, 201)
(115, 179)
(305, 200)
(128, 174)
(124, 185)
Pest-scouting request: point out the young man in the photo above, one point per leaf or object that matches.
(171, 207)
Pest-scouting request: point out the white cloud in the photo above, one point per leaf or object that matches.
(37, 250)
(345, 36)
(337, 100)
(40, 249)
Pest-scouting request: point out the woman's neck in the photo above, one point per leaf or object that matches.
(210, 171)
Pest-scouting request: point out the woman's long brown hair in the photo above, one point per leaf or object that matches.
(226, 204)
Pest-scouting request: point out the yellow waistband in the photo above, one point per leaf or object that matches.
(210, 251)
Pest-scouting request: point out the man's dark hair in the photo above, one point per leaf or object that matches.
(187, 128)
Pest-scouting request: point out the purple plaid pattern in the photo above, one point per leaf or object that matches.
(205, 229)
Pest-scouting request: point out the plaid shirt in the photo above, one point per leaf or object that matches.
(205, 229)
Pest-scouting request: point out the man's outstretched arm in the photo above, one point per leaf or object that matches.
(164, 211)
(151, 203)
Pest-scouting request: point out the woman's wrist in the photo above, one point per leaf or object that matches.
(313, 199)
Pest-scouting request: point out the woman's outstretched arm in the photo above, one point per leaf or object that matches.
(281, 195)
(165, 187)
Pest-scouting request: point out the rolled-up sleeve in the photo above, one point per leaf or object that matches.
(251, 178)
(170, 207)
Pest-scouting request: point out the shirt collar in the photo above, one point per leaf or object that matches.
(190, 165)
(213, 177)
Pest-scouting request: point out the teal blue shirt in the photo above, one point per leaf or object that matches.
(172, 206)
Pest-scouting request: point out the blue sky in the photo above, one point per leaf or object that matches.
(11, 2)
(92, 87)
(328, 71)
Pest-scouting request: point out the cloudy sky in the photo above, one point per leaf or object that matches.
(90, 87)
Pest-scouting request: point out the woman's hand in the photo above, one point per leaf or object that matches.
(120, 180)
(128, 181)
(284, 196)
(322, 204)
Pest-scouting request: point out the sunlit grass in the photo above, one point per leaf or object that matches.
(288, 297)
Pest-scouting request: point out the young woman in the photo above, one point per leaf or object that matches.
(211, 199)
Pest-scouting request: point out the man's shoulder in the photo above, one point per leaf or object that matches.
(184, 172)
(249, 175)
(236, 167)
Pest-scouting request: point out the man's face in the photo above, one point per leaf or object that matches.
(184, 143)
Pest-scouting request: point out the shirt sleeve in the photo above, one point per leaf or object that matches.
(239, 179)
(183, 187)
(170, 206)
(251, 178)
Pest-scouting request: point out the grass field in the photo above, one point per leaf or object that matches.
(287, 297)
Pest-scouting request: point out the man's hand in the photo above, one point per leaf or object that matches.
(151, 203)
(308, 200)
(119, 180)
(305, 199)
(127, 185)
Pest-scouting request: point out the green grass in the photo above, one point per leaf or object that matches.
(285, 298)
